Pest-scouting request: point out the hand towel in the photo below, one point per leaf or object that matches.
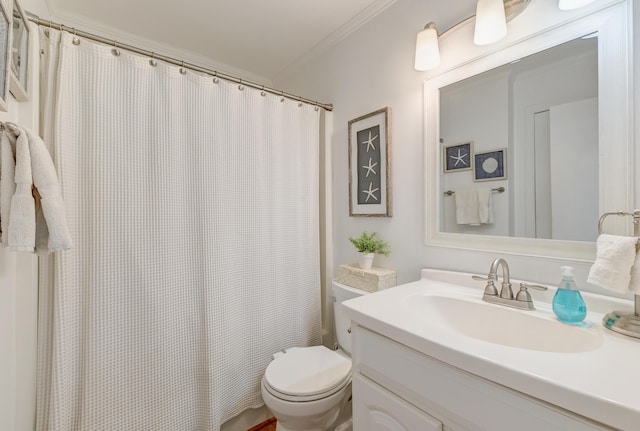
(22, 215)
(474, 206)
(485, 205)
(634, 285)
(46, 181)
(614, 258)
(7, 184)
(467, 207)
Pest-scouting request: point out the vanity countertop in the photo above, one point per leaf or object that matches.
(599, 382)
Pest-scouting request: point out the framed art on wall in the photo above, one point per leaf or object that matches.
(457, 157)
(5, 51)
(490, 165)
(19, 53)
(369, 165)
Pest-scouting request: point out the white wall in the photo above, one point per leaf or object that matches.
(374, 68)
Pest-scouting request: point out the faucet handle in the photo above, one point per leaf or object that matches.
(490, 288)
(523, 294)
(532, 286)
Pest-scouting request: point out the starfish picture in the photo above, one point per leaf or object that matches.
(371, 192)
(369, 142)
(460, 158)
(370, 167)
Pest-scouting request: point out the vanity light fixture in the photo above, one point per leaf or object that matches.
(491, 25)
(572, 4)
(489, 17)
(491, 22)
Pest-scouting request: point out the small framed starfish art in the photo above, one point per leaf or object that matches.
(369, 165)
(457, 157)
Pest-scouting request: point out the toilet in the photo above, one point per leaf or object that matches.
(309, 388)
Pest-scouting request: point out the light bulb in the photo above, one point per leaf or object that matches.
(427, 50)
(491, 23)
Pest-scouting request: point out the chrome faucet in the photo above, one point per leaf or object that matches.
(506, 291)
(523, 298)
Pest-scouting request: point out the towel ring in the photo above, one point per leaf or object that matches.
(635, 214)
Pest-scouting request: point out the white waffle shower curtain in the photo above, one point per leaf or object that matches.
(193, 207)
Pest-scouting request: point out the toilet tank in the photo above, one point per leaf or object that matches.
(342, 322)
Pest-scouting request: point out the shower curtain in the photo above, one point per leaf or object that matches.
(193, 206)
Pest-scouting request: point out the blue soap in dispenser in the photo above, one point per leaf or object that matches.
(568, 304)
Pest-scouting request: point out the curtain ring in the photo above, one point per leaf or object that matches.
(183, 71)
(240, 86)
(282, 98)
(76, 39)
(115, 51)
(317, 106)
(153, 62)
(299, 101)
(263, 93)
(215, 77)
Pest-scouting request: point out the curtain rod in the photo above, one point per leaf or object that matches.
(45, 23)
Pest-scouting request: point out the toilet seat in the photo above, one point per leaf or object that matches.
(307, 373)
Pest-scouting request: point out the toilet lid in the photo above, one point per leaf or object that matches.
(308, 371)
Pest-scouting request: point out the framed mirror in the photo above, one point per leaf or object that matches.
(550, 202)
(5, 51)
(19, 53)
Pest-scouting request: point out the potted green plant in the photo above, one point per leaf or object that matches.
(369, 245)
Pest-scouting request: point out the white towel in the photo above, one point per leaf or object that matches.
(474, 206)
(7, 184)
(22, 215)
(48, 189)
(485, 205)
(31, 207)
(634, 285)
(614, 259)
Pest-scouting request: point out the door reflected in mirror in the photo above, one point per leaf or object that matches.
(539, 117)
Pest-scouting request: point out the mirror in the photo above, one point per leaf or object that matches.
(541, 113)
(490, 103)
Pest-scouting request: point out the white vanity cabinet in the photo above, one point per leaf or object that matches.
(398, 388)
(380, 410)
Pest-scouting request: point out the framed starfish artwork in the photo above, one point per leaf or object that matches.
(457, 157)
(369, 165)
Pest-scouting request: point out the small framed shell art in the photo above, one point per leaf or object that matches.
(490, 165)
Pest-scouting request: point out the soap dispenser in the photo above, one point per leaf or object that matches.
(568, 304)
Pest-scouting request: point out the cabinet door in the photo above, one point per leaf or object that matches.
(375, 409)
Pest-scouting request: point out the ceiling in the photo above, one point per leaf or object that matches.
(254, 38)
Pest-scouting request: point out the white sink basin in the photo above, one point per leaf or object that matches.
(501, 325)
